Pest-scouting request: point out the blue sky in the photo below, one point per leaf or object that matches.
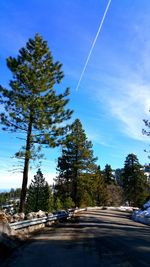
(114, 95)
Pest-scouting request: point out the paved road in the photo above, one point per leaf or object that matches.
(102, 238)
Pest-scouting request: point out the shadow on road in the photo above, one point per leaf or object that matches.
(117, 214)
(89, 240)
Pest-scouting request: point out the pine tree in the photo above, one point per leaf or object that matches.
(32, 105)
(77, 159)
(100, 188)
(38, 194)
(134, 181)
(107, 174)
(85, 190)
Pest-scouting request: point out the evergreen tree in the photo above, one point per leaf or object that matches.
(38, 194)
(31, 103)
(100, 188)
(134, 181)
(10, 197)
(57, 204)
(107, 174)
(68, 203)
(77, 159)
(85, 190)
(3, 198)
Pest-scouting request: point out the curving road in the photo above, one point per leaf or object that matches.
(102, 238)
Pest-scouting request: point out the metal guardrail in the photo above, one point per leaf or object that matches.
(27, 223)
(35, 221)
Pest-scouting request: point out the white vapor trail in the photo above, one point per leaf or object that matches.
(89, 55)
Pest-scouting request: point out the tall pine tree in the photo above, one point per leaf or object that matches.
(100, 188)
(134, 181)
(107, 174)
(38, 194)
(77, 159)
(32, 105)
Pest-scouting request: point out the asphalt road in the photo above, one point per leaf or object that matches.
(102, 238)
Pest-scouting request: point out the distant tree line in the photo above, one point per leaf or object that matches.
(10, 198)
(80, 182)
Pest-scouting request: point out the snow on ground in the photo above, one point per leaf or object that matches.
(142, 215)
(124, 208)
(138, 215)
(121, 208)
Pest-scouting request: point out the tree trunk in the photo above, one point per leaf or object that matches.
(26, 168)
(75, 178)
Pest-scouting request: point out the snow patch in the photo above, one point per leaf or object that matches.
(142, 215)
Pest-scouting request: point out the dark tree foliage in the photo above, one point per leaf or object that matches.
(38, 194)
(10, 197)
(100, 188)
(85, 190)
(107, 174)
(77, 160)
(4, 198)
(92, 189)
(134, 181)
(31, 104)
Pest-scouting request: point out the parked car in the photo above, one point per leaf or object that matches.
(61, 214)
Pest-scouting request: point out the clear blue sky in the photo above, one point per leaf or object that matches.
(114, 95)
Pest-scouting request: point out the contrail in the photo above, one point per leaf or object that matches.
(99, 29)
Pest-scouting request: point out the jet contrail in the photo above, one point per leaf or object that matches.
(99, 29)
